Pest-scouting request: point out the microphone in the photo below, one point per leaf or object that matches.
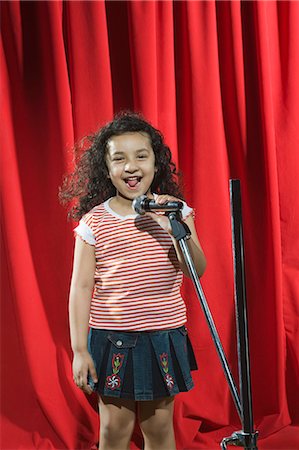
(143, 204)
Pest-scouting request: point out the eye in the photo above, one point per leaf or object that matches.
(142, 156)
(118, 158)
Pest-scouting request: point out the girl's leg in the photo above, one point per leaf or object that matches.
(156, 423)
(117, 420)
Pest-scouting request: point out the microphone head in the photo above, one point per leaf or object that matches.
(138, 203)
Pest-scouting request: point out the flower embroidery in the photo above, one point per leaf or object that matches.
(169, 381)
(164, 362)
(113, 382)
(117, 362)
(167, 378)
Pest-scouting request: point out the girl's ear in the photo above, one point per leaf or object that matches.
(156, 169)
(107, 171)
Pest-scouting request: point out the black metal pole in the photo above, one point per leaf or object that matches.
(248, 433)
(247, 437)
(241, 309)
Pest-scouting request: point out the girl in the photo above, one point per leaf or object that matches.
(126, 283)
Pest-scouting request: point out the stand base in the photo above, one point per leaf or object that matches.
(241, 439)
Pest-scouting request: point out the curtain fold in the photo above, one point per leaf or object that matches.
(220, 79)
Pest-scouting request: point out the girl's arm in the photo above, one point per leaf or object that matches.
(193, 243)
(81, 290)
(195, 251)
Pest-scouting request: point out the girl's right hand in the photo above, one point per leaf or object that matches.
(82, 365)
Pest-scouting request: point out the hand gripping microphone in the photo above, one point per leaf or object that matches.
(143, 204)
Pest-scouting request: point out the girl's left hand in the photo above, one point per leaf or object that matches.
(160, 218)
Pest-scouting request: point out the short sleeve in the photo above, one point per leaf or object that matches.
(84, 231)
(187, 211)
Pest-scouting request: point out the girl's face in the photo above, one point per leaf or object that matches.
(130, 161)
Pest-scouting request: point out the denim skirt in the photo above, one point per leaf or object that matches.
(142, 365)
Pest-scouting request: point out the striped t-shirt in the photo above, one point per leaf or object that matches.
(137, 275)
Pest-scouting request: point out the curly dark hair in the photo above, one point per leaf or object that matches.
(88, 185)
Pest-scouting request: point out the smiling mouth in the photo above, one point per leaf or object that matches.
(132, 182)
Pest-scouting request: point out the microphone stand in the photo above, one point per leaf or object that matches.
(247, 437)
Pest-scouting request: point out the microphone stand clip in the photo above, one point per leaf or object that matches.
(180, 230)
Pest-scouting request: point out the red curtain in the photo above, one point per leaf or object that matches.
(220, 79)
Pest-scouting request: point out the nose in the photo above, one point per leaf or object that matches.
(131, 166)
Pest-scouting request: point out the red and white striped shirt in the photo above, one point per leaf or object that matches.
(137, 275)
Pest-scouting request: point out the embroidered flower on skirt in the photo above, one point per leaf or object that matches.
(168, 378)
(169, 381)
(113, 381)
